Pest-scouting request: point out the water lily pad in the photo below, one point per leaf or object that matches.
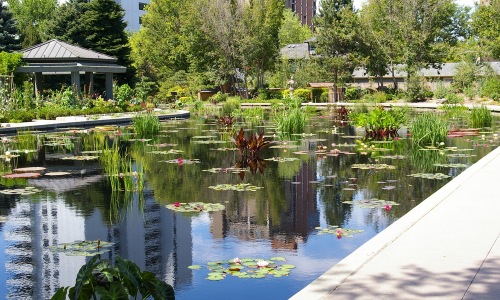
(171, 151)
(195, 207)
(82, 157)
(451, 165)
(241, 187)
(22, 175)
(195, 267)
(256, 268)
(282, 159)
(83, 248)
(30, 170)
(226, 170)
(438, 176)
(336, 230)
(372, 203)
(57, 174)
(182, 161)
(373, 166)
(21, 191)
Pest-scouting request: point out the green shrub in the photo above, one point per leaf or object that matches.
(303, 94)
(429, 128)
(490, 87)
(415, 90)
(441, 90)
(230, 105)
(481, 117)
(380, 123)
(317, 92)
(218, 98)
(453, 99)
(324, 97)
(352, 93)
(123, 93)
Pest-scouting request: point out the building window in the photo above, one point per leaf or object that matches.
(142, 5)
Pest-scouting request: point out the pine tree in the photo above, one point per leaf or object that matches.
(9, 39)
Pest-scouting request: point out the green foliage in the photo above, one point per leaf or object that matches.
(123, 93)
(231, 104)
(9, 62)
(218, 98)
(415, 88)
(453, 98)
(146, 125)
(24, 97)
(380, 123)
(486, 26)
(428, 128)
(121, 281)
(480, 117)
(32, 17)
(441, 90)
(490, 87)
(303, 94)
(291, 30)
(291, 121)
(466, 76)
(96, 25)
(352, 93)
(9, 40)
(454, 111)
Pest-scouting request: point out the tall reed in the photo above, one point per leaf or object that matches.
(146, 125)
(480, 117)
(429, 128)
(291, 121)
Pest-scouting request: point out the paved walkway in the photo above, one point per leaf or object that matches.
(448, 247)
(83, 121)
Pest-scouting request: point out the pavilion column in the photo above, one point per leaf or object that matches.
(75, 82)
(38, 83)
(109, 86)
(89, 83)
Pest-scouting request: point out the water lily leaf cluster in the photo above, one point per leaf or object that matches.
(82, 157)
(182, 161)
(171, 151)
(194, 207)
(282, 159)
(451, 165)
(338, 231)
(240, 187)
(21, 191)
(83, 248)
(372, 203)
(246, 268)
(438, 176)
(225, 170)
(373, 166)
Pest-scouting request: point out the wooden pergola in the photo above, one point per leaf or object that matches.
(55, 57)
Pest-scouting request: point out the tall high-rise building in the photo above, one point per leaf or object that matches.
(304, 9)
(134, 9)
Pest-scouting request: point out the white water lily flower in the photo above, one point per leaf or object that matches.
(237, 260)
(7, 152)
(262, 263)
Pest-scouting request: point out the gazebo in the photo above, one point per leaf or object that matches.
(55, 57)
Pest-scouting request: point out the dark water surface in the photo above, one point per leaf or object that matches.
(278, 220)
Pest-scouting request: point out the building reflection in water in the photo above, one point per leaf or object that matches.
(300, 217)
(153, 237)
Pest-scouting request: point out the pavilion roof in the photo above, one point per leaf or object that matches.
(55, 50)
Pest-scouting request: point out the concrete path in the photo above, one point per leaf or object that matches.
(448, 247)
(83, 121)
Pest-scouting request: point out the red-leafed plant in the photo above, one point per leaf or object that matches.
(249, 150)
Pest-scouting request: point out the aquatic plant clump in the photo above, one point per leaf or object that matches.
(83, 248)
(256, 268)
(480, 117)
(146, 125)
(241, 187)
(429, 129)
(195, 207)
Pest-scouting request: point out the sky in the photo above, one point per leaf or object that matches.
(358, 3)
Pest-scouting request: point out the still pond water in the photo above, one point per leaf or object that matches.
(302, 187)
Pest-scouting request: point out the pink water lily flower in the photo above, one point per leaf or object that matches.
(180, 161)
(236, 260)
(387, 208)
(177, 204)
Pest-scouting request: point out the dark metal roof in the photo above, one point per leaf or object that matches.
(55, 50)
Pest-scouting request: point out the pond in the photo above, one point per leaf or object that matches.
(311, 201)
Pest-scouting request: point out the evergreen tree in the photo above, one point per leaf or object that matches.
(9, 39)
